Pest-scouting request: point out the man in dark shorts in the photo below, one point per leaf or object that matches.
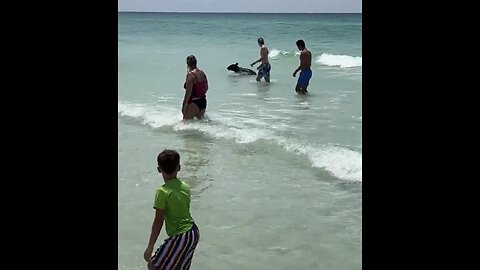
(264, 68)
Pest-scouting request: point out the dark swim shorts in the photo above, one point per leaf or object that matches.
(264, 69)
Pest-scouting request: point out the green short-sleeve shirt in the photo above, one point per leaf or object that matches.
(174, 198)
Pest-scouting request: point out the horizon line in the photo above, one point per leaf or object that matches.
(236, 12)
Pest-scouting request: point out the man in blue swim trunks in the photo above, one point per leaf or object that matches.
(264, 68)
(306, 72)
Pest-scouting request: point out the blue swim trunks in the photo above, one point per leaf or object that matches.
(264, 69)
(304, 77)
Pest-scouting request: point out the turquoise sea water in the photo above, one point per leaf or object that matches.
(276, 178)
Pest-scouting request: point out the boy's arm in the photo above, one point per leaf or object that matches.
(156, 227)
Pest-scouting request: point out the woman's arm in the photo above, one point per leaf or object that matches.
(188, 90)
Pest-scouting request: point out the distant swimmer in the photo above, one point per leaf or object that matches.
(304, 68)
(196, 86)
(264, 68)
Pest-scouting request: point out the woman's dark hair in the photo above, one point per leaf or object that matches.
(191, 61)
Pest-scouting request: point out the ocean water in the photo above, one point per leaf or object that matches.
(276, 178)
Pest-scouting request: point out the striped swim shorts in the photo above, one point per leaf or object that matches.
(177, 251)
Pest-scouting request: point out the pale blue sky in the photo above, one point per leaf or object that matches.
(259, 6)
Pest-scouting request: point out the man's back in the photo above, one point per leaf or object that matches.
(305, 59)
(264, 54)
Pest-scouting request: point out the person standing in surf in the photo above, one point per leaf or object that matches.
(196, 87)
(264, 68)
(304, 68)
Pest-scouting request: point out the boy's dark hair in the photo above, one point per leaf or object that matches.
(301, 43)
(261, 41)
(168, 160)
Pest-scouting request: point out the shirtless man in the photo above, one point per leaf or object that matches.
(306, 72)
(264, 68)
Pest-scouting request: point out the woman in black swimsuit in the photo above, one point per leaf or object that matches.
(196, 86)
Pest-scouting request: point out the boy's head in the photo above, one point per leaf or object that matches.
(168, 162)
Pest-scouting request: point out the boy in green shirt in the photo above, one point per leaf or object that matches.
(172, 204)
